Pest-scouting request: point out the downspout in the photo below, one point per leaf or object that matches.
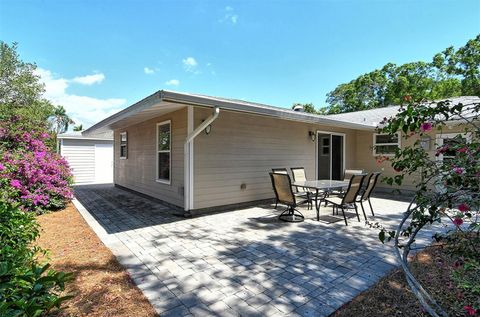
(188, 158)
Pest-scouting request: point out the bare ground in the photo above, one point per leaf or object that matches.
(101, 286)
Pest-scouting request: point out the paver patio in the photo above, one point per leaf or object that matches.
(239, 263)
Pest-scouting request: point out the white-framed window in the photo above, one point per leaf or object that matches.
(450, 140)
(123, 145)
(164, 157)
(385, 144)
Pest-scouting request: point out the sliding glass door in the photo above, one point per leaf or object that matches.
(330, 155)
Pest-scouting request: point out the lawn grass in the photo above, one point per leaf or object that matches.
(391, 296)
(101, 286)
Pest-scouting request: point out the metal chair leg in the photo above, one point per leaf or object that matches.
(371, 208)
(344, 217)
(356, 211)
(318, 212)
(276, 203)
(289, 215)
(363, 209)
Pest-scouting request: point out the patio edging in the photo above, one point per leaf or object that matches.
(140, 274)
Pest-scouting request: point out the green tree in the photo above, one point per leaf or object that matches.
(78, 127)
(450, 74)
(366, 92)
(20, 89)
(464, 63)
(60, 121)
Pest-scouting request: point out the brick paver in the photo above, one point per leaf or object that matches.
(239, 263)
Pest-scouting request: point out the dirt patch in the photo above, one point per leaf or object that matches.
(101, 286)
(391, 296)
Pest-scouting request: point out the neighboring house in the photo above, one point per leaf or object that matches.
(200, 153)
(89, 157)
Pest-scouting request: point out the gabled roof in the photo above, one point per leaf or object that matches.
(373, 117)
(164, 101)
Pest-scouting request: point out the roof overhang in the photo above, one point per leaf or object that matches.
(80, 137)
(163, 102)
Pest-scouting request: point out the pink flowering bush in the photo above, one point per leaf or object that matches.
(30, 172)
(448, 189)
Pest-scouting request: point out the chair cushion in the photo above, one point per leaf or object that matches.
(334, 200)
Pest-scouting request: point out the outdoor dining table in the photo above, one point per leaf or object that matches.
(321, 185)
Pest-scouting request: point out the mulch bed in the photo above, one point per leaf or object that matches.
(391, 296)
(101, 286)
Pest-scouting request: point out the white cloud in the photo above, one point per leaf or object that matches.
(229, 16)
(82, 109)
(172, 82)
(148, 70)
(89, 79)
(190, 64)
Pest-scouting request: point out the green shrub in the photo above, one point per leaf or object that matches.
(27, 287)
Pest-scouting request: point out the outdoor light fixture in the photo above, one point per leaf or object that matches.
(208, 128)
(312, 135)
(425, 143)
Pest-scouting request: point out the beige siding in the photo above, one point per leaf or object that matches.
(368, 162)
(243, 148)
(138, 171)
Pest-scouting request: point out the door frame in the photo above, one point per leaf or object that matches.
(344, 135)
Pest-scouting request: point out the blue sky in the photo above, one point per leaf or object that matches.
(97, 57)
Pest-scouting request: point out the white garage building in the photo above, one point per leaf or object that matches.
(90, 158)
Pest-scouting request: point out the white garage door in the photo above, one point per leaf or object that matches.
(103, 163)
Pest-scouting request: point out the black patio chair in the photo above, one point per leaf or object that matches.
(347, 175)
(282, 186)
(365, 195)
(279, 170)
(349, 198)
(299, 175)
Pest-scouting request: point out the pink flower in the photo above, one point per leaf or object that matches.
(457, 221)
(426, 126)
(470, 310)
(40, 155)
(442, 150)
(15, 183)
(463, 150)
(2, 167)
(463, 207)
(458, 170)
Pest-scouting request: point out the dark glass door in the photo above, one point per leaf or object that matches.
(337, 157)
(329, 156)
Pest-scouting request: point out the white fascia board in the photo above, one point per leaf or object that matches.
(266, 111)
(82, 138)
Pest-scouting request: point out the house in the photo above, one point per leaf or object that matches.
(202, 153)
(89, 157)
